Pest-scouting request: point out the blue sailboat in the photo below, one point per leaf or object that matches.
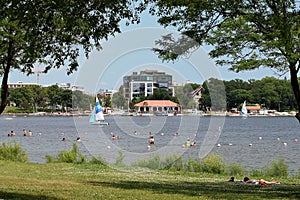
(97, 117)
(244, 110)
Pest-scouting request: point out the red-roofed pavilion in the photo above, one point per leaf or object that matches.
(154, 106)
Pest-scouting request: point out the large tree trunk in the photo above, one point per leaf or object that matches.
(295, 86)
(4, 92)
(6, 69)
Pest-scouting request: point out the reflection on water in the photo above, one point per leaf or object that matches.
(270, 137)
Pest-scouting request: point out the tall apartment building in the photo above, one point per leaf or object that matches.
(145, 82)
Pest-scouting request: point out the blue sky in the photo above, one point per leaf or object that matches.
(131, 51)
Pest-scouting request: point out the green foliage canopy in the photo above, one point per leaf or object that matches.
(118, 99)
(244, 34)
(53, 32)
(49, 98)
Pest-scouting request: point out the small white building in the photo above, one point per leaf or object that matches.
(20, 84)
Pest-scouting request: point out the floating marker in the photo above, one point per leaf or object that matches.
(218, 145)
(148, 147)
(260, 138)
(296, 140)
(250, 145)
(285, 144)
(278, 139)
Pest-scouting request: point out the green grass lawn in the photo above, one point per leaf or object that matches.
(90, 181)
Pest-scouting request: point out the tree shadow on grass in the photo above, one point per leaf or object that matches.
(13, 195)
(224, 190)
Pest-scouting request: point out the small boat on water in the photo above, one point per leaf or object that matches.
(8, 118)
(97, 116)
(143, 114)
(244, 110)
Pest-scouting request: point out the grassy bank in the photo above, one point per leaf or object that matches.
(91, 181)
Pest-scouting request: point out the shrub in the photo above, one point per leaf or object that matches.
(49, 159)
(278, 168)
(13, 152)
(235, 169)
(213, 163)
(193, 165)
(170, 162)
(98, 161)
(152, 163)
(119, 160)
(67, 156)
(256, 173)
(71, 156)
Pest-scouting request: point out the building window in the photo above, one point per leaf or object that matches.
(136, 95)
(163, 85)
(135, 87)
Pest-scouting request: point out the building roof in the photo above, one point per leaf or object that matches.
(256, 107)
(152, 103)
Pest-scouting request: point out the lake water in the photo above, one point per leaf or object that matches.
(270, 138)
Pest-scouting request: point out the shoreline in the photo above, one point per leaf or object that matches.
(43, 114)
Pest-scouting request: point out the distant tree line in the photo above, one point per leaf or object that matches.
(35, 98)
(269, 93)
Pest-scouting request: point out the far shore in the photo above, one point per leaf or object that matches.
(123, 113)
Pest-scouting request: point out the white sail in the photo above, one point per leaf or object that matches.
(92, 118)
(97, 117)
(244, 110)
(98, 111)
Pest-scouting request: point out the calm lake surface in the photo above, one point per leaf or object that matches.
(253, 142)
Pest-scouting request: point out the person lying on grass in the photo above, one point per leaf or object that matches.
(260, 181)
(255, 182)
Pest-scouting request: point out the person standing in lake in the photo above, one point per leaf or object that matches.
(151, 140)
(188, 142)
(12, 133)
(24, 132)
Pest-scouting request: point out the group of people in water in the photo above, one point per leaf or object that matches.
(12, 133)
(77, 139)
(188, 143)
(24, 133)
(151, 140)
